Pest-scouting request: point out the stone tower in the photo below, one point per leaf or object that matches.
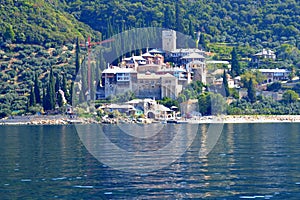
(169, 40)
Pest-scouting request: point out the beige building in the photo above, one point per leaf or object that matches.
(150, 85)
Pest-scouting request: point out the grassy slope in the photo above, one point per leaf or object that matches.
(40, 22)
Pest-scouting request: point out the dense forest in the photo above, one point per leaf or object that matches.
(256, 22)
(39, 22)
(37, 36)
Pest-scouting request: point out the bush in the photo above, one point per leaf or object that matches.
(4, 66)
(35, 109)
(274, 86)
(70, 46)
(4, 113)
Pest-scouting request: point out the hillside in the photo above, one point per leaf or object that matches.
(36, 35)
(39, 22)
(259, 24)
(256, 22)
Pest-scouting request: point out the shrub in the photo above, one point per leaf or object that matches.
(35, 109)
(4, 113)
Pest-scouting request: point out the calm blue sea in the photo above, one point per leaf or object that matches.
(247, 161)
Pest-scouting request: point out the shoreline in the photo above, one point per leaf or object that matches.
(226, 119)
(246, 119)
(45, 120)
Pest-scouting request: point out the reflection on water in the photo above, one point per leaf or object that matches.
(260, 161)
(113, 147)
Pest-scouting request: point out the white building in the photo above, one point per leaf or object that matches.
(275, 74)
(152, 109)
(264, 54)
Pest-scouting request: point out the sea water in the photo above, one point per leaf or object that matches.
(248, 161)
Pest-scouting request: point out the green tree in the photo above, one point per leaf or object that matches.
(179, 17)
(50, 99)
(9, 33)
(44, 99)
(191, 29)
(218, 104)
(181, 98)
(64, 88)
(290, 96)
(71, 93)
(92, 84)
(37, 89)
(202, 42)
(251, 91)
(57, 83)
(235, 65)
(296, 88)
(169, 102)
(293, 72)
(4, 112)
(274, 86)
(204, 102)
(168, 18)
(256, 76)
(225, 90)
(32, 99)
(60, 101)
(77, 58)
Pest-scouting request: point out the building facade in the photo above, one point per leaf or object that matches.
(273, 75)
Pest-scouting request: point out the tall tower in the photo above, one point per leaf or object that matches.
(169, 40)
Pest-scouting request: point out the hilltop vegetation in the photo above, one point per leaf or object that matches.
(39, 22)
(256, 22)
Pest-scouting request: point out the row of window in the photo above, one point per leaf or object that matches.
(123, 77)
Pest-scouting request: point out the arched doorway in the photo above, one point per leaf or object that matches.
(150, 115)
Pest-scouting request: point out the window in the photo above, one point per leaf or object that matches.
(123, 77)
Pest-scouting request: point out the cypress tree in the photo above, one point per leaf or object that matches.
(202, 42)
(168, 18)
(44, 99)
(235, 66)
(52, 85)
(9, 34)
(71, 93)
(64, 88)
(57, 83)
(225, 85)
(81, 96)
(32, 101)
(92, 86)
(37, 92)
(50, 99)
(251, 91)
(191, 30)
(47, 98)
(179, 20)
(84, 82)
(77, 59)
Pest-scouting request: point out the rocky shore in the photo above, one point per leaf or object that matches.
(64, 120)
(45, 120)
